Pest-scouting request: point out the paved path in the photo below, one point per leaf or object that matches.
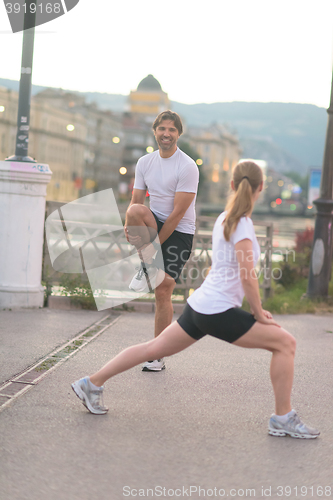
(200, 423)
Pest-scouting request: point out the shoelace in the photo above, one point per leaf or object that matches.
(141, 272)
(294, 419)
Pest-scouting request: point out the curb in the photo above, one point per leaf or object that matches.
(64, 303)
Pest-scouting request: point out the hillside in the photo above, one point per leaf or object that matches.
(289, 136)
(292, 136)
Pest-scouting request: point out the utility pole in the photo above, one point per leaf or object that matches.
(321, 260)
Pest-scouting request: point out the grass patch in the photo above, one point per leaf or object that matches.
(78, 342)
(292, 300)
(46, 365)
(78, 290)
(95, 330)
(69, 349)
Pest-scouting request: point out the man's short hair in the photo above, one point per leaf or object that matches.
(169, 115)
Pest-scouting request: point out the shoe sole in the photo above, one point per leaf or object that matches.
(278, 433)
(145, 369)
(139, 291)
(82, 396)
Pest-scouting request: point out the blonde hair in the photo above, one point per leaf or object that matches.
(247, 177)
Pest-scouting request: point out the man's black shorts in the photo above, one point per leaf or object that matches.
(176, 251)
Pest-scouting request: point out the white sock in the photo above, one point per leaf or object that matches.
(283, 418)
(93, 386)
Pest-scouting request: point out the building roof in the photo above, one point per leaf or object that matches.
(149, 83)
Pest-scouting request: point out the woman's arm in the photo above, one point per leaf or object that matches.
(244, 253)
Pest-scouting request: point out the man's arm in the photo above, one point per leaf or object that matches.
(138, 196)
(181, 203)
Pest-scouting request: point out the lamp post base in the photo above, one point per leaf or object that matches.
(19, 297)
(22, 199)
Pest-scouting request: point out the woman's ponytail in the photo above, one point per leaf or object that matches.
(247, 177)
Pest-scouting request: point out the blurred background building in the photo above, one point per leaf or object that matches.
(148, 100)
(219, 151)
(90, 149)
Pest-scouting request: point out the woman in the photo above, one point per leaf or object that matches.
(214, 309)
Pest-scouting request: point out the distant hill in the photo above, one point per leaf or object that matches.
(289, 136)
(292, 136)
(14, 85)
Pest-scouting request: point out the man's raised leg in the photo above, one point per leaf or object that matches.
(140, 225)
(141, 229)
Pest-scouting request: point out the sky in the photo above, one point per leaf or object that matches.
(200, 51)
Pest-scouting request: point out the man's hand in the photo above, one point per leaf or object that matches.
(136, 241)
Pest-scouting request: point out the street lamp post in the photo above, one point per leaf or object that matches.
(23, 114)
(23, 184)
(321, 260)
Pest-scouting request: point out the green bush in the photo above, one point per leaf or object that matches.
(79, 291)
(296, 265)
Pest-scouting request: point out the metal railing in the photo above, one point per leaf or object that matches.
(200, 261)
(194, 271)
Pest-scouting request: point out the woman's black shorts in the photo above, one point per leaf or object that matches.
(228, 325)
(176, 251)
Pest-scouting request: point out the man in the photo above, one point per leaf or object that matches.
(171, 178)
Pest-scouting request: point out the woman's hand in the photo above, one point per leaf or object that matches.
(267, 314)
(266, 318)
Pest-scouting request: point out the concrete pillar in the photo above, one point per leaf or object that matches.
(22, 212)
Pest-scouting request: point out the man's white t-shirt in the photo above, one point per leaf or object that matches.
(163, 177)
(222, 289)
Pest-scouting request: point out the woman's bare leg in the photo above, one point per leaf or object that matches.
(282, 345)
(172, 340)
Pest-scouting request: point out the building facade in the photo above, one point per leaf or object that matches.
(81, 143)
(148, 100)
(219, 151)
(100, 147)
(8, 121)
(89, 149)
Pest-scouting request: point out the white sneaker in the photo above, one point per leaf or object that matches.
(91, 399)
(139, 282)
(154, 366)
(294, 427)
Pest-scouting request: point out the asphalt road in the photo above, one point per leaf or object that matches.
(201, 423)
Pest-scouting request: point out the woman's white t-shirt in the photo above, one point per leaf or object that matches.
(222, 289)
